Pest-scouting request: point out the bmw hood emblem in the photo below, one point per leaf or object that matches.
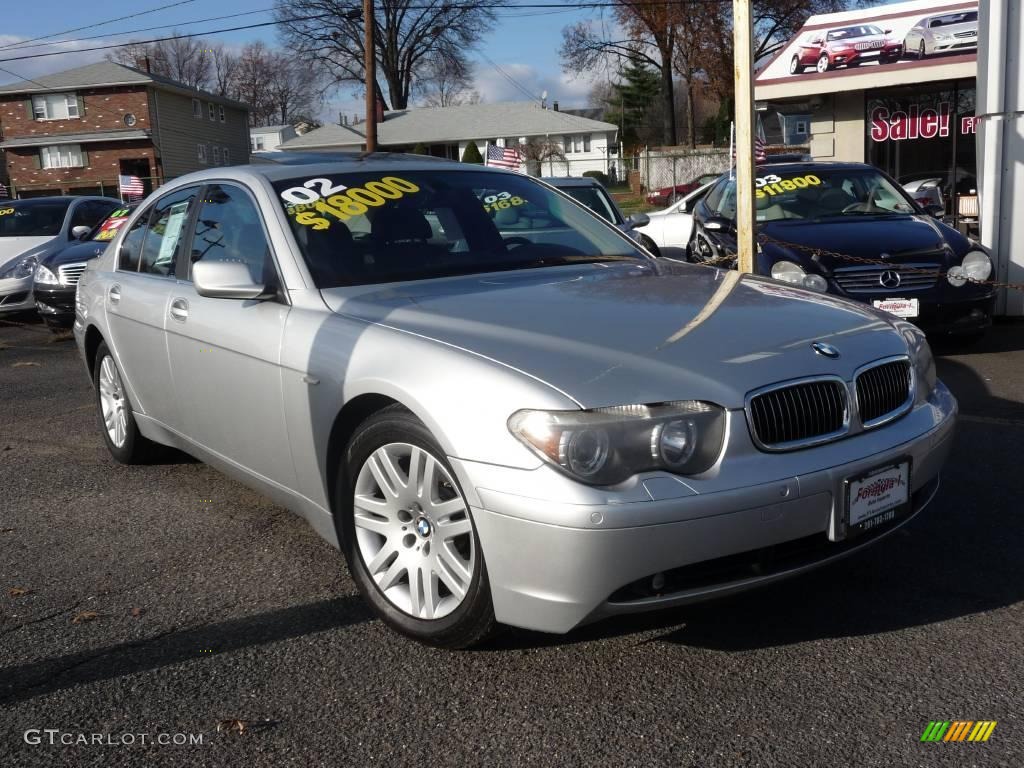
(825, 350)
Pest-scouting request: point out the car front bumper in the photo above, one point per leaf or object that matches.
(57, 304)
(554, 565)
(16, 294)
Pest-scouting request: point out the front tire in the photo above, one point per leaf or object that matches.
(407, 533)
(823, 64)
(117, 421)
(650, 245)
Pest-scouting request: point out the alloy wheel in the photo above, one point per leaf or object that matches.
(112, 402)
(413, 530)
(822, 63)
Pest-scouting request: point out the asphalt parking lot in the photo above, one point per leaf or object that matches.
(168, 599)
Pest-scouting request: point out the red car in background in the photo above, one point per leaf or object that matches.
(849, 46)
(668, 195)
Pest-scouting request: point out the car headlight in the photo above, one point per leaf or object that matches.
(789, 272)
(605, 446)
(977, 265)
(23, 267)
(45, 276)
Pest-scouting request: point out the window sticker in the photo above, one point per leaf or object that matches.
(501, 201)
(111, 226)
(776, 185)
(172, 230)
(336, 201)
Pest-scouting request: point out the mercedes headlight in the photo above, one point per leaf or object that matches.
(789, 272)
(23, 267)
(977, 265)
(605, 446)
(45, 276)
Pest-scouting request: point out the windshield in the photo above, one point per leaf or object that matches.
(824, 193)
(595, 199)
(360, 228)
(848, 32)
(107, 229)
(32, 218)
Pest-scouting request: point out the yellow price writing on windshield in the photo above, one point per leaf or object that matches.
(6, 211)
(776, 185)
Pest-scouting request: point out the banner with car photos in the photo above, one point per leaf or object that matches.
(908, 35)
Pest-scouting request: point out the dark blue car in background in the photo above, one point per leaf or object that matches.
(857, 211)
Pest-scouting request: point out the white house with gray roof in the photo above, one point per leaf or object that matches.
(589, 145)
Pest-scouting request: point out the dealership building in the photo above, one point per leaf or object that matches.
(894, 86)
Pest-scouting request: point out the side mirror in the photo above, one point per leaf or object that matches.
(79, 232)
(639, 220)
(817, 41)
(716, 224)
(227, 280)
(888, 31)
(936, 210)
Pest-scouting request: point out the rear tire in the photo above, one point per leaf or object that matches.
(428, 580)
(117, 421)
(795, 67)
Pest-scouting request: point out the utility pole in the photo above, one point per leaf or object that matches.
(743, 87)
(370, 65)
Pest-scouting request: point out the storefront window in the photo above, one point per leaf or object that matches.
(924, 136)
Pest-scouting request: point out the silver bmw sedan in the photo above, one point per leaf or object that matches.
(495, 404)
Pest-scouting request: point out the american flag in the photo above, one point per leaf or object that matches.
(131, 186)
(503, 157)
(760, 150)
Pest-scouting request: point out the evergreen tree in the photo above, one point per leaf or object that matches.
(472, 154)
(633, 105)
(420, 149)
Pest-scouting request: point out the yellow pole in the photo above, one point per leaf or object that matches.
(743, 86)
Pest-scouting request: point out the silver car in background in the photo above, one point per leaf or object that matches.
(942, 33)
(529, 422)
(32, 229)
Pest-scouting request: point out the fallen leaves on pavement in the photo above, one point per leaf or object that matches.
(24, 365)
(18, 591)
(232, 724)
(137, 612)
(82, 616)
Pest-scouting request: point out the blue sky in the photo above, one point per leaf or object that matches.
(524, 46)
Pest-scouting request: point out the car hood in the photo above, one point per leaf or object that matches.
(902, 239)
(75, 253)
(616, 334)
(13, 247)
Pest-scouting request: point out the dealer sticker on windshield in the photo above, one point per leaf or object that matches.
(874, 498)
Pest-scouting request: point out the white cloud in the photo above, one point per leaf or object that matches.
(569, 91)
(26, 69)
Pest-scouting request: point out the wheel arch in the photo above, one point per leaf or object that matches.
(93, 339)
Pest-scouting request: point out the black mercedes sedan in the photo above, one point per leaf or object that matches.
(56, 276)
(815, 220)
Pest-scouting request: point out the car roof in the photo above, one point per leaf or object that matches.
(571, 181)
(290, 165)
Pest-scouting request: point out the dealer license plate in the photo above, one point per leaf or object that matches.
(899, 307)
(877, 497)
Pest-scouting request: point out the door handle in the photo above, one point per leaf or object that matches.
(179, 310)
(114, 294)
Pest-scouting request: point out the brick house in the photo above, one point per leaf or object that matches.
(75, 132)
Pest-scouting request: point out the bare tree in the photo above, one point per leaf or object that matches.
(250, 83)
(410, 36)
(223, 68)
(537, 150)
(447, 84)
(644, 34)
(292, 88)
